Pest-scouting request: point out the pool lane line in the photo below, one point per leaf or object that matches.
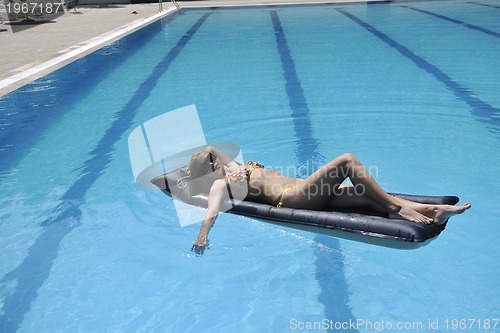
(334, 293)
(35, 268)
(16, 81)
(479, 108)
(15, 143)
(482, 4)
(92, 168)
(308, 146)
(452, 20)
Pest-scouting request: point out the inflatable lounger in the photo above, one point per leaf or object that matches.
(357, 226)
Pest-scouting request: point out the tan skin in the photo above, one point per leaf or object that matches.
(322, 190)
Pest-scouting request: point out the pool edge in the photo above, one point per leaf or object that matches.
(82, 49)
(76, 52)
(264, 3)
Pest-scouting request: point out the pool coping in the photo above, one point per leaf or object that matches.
(82, 49)
(263, 3)
(75, 52)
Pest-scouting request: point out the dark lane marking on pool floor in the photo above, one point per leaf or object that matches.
(308, 145)
(35, 269)
(483, 111)
(452, 20)
(483, 4)
(334, 293)
(37, 106)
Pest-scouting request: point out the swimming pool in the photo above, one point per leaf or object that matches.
(410, 88)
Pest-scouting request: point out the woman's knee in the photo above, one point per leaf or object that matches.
(348, 158)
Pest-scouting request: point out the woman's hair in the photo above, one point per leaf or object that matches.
(197, 167)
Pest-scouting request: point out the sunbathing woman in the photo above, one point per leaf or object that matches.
(321, 191)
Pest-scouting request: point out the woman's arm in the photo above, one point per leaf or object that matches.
(215, 198)
(228, 161)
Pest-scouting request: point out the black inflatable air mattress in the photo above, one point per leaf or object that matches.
(358, 226)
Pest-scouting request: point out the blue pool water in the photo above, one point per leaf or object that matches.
(410, 87)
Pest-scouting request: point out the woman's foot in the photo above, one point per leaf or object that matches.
(406, 213)
(444, 212)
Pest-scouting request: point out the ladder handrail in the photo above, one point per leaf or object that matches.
(176, 4)
(160, 5)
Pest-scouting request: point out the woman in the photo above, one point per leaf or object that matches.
(322, 190)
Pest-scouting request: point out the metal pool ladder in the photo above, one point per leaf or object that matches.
(160, 5)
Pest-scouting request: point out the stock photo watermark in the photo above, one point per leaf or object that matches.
(454, 324)
(19, 15)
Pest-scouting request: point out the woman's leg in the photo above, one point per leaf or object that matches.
(347, 198)
(318, 190)
(439, 213)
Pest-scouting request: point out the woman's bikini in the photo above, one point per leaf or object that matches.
(242, 177)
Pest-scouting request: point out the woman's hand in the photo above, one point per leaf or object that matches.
(200, 244)
(226, 160)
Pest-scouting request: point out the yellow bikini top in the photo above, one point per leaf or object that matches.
(243, 175)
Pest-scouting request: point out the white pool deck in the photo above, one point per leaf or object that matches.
(32, 53)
